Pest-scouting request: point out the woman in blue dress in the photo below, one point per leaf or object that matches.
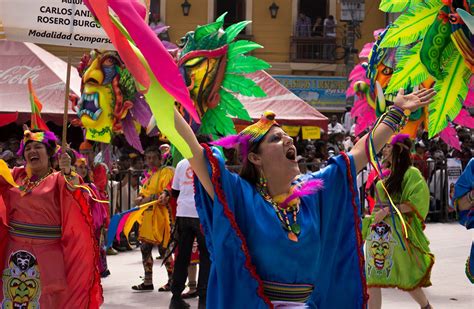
(269, 250)
(464, 201)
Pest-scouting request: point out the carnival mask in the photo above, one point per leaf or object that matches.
(21, 285)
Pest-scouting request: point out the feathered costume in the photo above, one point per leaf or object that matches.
(427, 46)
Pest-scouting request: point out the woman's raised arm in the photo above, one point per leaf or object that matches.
(198, 162)
(383, 132)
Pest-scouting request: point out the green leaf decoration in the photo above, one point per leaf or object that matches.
(233, 30)
(232, 106)
(216, 122)
(208, 42)
(221, 18)
(447, 54)
(243, 85)
(451, 92)
(241, 47)
(202, 31)
(246, 64)
(127, 82)
(396, 6)
(190, 43)
(435, 41)
(412, 25)
(409, 71)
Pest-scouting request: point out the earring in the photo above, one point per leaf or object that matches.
(262, 181)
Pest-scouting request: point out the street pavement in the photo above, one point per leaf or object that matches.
(450, 244)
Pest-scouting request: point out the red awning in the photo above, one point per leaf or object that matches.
(7, 118)
(20, 61)
(289, 108)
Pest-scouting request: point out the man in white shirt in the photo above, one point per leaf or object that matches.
(347, 120)
(188, 225)
(334, 126)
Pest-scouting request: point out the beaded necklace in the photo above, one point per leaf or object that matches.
(294, 229)
(29, 183)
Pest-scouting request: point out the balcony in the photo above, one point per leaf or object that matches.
(315, 49)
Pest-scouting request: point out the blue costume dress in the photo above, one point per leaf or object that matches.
(465, 184)
(252, 257)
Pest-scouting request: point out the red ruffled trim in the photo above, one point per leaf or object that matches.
(357, 224)
(469, 275)
(96, 288)
(230, 216)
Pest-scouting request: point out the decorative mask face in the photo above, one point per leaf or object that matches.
(203, 71)
(380, 249)
(21, 284)
(213, 65)
(106, 89)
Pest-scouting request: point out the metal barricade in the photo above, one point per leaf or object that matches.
(434, 171)
(437, 180)
(121, 192)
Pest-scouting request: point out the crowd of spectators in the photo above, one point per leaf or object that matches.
(126, 164)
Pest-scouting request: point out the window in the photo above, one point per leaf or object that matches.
(155, 11)
(315, 12)
(235, 10)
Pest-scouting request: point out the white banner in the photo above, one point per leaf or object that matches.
(55, 22)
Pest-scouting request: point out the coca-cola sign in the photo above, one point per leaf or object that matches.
(19, 74)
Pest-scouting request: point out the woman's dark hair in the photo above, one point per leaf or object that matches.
(249, 171)
(153, 149)
(401, 161)
(87, 178)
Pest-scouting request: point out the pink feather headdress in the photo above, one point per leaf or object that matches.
(399, 139)
(252, 134)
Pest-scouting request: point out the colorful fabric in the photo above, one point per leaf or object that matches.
(247, 243)
(463, 186)
(64, 282)
(387, 264)
(21, 229)
(139, 46)
(155, 223)
(36, 107)
(287, 292)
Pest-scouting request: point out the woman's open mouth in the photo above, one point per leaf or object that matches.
(33, 158)
(291, 154)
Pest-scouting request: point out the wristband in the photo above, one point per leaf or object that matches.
(395, 118)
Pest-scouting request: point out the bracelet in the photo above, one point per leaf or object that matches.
(395, 118)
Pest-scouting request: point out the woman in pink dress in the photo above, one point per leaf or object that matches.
(47, 249)
(98, 207)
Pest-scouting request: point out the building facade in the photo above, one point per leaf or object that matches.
(292, 33)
